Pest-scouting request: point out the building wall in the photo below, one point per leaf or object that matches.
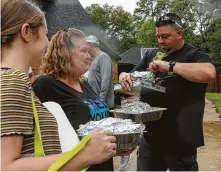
(215, 86)
(115, 71)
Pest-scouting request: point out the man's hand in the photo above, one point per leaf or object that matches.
(126, 81)
(159, 66)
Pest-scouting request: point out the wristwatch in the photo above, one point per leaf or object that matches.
(171, 65)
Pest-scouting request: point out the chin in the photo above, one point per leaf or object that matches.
(163, 47)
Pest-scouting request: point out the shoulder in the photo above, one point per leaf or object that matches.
(15, 78)
(104, 57)
(86, 85)
(44, 80)
(193, 49)
(151, 52)
(198, 54)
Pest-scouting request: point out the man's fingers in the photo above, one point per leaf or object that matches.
(132, 78)
(125, 85)
(128, 79)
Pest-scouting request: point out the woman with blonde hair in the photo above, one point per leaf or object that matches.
(66, 60)
(23, 44)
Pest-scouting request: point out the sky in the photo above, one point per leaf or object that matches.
(128, 5)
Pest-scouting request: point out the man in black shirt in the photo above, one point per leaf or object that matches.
(172, 142)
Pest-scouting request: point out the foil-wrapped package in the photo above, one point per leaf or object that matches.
(144, 79)
(145, 75)
(139, 112)
(135, 107)
(148, 80)
(127, 133)
(116, 125)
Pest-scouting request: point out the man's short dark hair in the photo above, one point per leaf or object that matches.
(170, 19)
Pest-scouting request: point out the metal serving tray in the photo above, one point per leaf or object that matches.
(154, 114)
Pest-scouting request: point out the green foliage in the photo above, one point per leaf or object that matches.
(214, 44)
(216, 99)
(116, 23)
(160, 56)
(146, 35)
(138, 29)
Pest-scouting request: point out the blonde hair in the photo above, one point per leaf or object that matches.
(57, 60)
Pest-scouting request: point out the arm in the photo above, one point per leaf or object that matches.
(106, 75)
(144, 63)
(11, 161)
(196, 72)
(16, 121)
(91, 154)
(200, 70)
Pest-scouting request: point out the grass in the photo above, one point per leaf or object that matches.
(216, 99)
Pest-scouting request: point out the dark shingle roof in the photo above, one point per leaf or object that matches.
(131, 56)
(134, 55)
(62, 14)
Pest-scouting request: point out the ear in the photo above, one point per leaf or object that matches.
(26, 32)
(180, 34)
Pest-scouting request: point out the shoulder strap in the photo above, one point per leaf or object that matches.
(69, 155)
(38, 146)
(39, 151)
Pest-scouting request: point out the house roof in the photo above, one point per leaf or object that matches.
(131, 56)
(134, 55)
(63, 14)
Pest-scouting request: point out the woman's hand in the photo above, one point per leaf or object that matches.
(125, 152)
(101, 147)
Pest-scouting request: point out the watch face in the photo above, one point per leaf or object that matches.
(170, 73)
(172, 62)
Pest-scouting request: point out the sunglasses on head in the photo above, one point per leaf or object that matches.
(164, 20)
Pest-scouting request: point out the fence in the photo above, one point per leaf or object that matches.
(215, 86)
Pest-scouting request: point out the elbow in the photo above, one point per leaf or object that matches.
(212, 74)
(212, 77)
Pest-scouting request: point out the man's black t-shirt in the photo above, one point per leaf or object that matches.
(79, 107)
(181, 125)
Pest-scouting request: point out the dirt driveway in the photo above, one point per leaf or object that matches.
(209, 156)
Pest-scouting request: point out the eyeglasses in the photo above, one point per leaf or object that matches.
(164, 20)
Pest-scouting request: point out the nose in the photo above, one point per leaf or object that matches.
(88, 55)
(160, 40)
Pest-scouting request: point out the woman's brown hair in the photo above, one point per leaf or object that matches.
(57, 60)
(15, 13)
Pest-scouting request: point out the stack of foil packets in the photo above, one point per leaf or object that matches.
(116, 125)
(139, 112)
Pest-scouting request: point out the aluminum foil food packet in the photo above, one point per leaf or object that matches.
(149, 80)
(137, 107)
(116, 125)
(145, 76)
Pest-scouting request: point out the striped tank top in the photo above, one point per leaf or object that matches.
(17, 114)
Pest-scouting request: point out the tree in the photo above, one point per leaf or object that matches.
(117, 24)
(146, 9)
(146, 36)
(214, 44)
(138, 30)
